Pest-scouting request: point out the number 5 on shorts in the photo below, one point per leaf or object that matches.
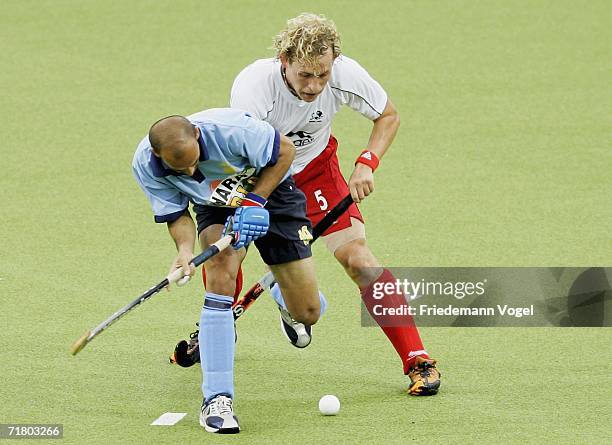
(321, 199)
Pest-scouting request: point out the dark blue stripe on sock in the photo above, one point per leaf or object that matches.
(209, 303)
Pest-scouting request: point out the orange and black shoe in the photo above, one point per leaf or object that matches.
(187, 352)
(424, 377)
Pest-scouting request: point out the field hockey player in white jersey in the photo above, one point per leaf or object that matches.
(298, 92)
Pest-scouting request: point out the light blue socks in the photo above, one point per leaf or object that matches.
(217, 346)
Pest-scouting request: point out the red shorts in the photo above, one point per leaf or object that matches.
(324, 187)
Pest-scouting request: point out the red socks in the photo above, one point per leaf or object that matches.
(400, 329)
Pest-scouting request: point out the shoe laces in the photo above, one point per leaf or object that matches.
(221, 405)
(195, 333)
(289, 317)
(423, 369)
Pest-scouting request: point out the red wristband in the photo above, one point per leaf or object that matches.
(368, 158)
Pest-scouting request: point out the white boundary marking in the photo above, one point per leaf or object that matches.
(168, 419)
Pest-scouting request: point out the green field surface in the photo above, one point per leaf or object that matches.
(503, 159)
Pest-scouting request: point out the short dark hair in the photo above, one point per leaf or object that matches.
(168, 128)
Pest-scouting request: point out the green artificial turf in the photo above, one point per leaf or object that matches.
(503, 159)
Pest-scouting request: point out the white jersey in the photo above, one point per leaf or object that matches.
(260, 90)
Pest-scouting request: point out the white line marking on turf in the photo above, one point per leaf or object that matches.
(169, 419)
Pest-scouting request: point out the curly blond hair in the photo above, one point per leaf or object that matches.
(306, 37)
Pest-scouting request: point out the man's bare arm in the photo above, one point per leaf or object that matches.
(271, 176)
(183, 232)
(361, 182)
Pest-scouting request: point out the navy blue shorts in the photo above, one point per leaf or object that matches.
(287, 238)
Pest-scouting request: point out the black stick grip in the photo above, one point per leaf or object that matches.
(331, 217)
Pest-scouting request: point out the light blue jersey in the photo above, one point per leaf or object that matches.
(234, 147)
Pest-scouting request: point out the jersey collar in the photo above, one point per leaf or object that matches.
(160, 170)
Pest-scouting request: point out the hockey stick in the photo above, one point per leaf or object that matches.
(173, 277)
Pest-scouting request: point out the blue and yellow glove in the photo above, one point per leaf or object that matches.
(250, 221)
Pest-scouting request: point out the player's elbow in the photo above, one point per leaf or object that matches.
(394, 118)
(391, 116)
(286, 153)
(287, 150)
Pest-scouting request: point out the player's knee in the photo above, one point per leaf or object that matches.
(359, 263)
(221, 281)
(309, 315)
